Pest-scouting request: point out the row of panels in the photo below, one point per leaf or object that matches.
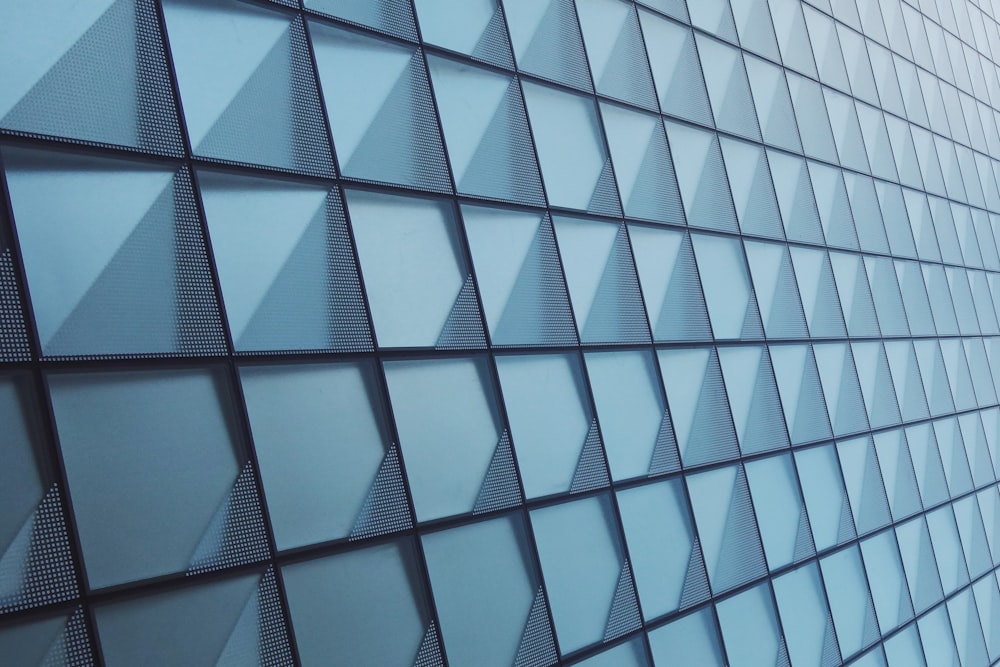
(339, 462)
(511, 588)
(387, 125)
(117, 265)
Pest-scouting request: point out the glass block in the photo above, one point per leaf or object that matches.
(586, 575)
(114, 256)
(676, 69)
(322, 443)
(237, 620)
(420, 291)
(728, 88)
(753, 192)
(850, 600)
(806, 618)
(918, 563)
(846, 130)
(937, 638)
(970, 529)
(753, 24)
(801, 393)
(875, 378)
(825, 497)
(723, 513)
(390, 16)
(886, 580)
(601, 276)
(793, 39)
(855, 294)
(616, 51)
(666, 556)
(750, 628)
(776, 290)
(575, 166)
(903, 648)
(753, 398)
(987, 598)
(486, 129)
(366, 606)
(867, 214)
(286, 265)
(818, 289)
(475, 28)
(811, 114)
(154, 494)
(380, 108)
(927, 464)
(780, 511)
(775, 114)
(704, 187)
(968, 632)
(714, 16)
(889, 305)
(555, 435)
(689, 640)
(947, 549)
(728, 293)
(54, 639)
(702, 420)
(547, 41)
(520, 277)
(635, 423)
(643, 165)
(671, 289)
(485, 593)
(897, 473)
(230, 58)
(456, 459)
(841, 388)
(953, 457)
(93, 72)
(796, 201)
(36, 564)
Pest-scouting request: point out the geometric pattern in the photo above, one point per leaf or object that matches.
(792, 206)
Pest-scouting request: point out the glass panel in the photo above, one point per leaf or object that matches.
(286, 266)
(689, 640)
(419, 289)
(555, 436)
(750, 628)
(114, 256)
(364, 606)
(635, 425)
(588, 582)
(235, 621)
(319, 432)
(155, 471)
(229, 58)
(667, 562)
(483, 590)
(449, 431)
(570, 145)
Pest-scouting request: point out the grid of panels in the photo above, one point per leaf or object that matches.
(524, 333)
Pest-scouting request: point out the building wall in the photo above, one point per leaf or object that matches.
(414, 332)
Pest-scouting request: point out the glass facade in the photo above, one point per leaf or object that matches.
(500, 332)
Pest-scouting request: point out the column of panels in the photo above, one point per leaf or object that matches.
(668, 329)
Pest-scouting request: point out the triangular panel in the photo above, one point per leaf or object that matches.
(591, 472)
(624, 616)
(500, 488)
(385, 509)
(236, 534)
